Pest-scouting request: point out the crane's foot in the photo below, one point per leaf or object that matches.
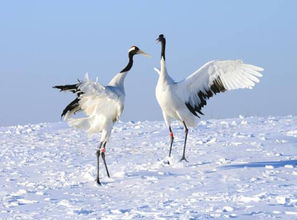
(98, 181)
(167, 162)
(183, 159)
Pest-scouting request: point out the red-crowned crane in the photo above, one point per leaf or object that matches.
(103, 105)
(184, 100)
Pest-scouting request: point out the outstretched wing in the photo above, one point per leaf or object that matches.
(215, 77)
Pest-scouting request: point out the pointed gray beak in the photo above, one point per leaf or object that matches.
(143, 53)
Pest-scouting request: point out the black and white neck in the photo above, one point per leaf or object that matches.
(162, 40)
(118, 80)
(163, 75)
(131, 53)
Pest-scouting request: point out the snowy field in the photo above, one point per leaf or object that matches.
(244, 168)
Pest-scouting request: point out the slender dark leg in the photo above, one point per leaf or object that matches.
(98, 156)
(171, 140)
(103, 157)
(186, 136)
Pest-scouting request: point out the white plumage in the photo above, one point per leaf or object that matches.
(184, 100)
(102, 105)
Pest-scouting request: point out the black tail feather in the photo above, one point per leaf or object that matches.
(73, 106)
(72, 88)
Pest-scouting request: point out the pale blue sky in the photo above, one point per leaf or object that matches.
(44, 43)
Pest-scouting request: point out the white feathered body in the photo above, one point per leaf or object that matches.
(171, 100)
(102, 105)
(211, 78)
(172, 105)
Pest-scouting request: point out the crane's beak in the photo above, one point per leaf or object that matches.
(143, 53)
(161, 36)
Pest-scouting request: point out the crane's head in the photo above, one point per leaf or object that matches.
(161, 38)
(131, 52)
(135, 50)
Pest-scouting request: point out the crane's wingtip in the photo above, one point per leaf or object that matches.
(57, 87)
(157, 70)
(258, 68)
(87, 78)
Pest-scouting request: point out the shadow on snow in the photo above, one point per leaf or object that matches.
(275, 164)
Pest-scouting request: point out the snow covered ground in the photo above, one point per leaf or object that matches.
(244, 168)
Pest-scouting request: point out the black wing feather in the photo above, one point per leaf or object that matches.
(72, 106)
(72, 88)
(216, 87)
